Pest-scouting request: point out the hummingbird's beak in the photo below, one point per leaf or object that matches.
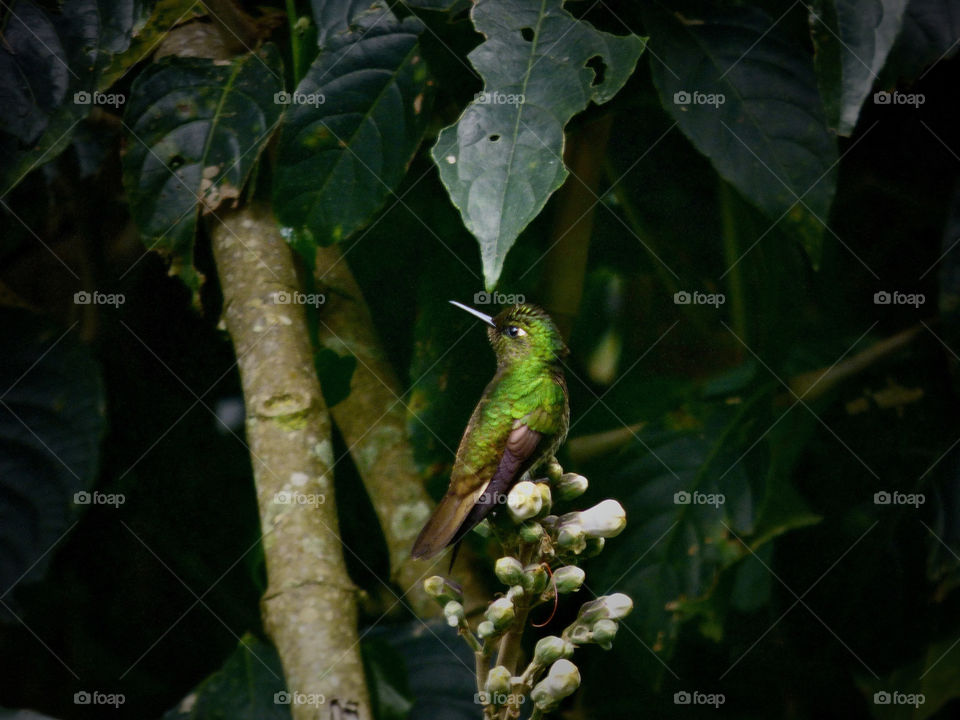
(476, 313)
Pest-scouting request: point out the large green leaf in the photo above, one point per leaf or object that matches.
(929, 35)
(851, 39)
(194, 128)
(355, 122)
(693, 491)
(51, 422)
(49, 68)
(249, 686)
(748, 100)
(504, 156)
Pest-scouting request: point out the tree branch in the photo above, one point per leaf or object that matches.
(309, 608)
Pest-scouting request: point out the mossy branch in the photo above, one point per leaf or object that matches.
(309, 608)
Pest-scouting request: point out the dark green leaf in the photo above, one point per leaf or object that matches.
(249, 686)
(387, 678)
(51, 422)
(49, 67)
(851, 40)
(929, 34)
(439, 667)
(194, 129)
(748, 100)
(354, 125)
(504, 157)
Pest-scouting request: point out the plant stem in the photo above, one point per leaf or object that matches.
(731, 257)
(295, 49)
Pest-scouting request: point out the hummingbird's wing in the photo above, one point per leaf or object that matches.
(527, 440)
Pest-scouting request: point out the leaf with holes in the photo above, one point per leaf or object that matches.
(194, 128)
(504, 157)
(748, 100)
(353, 125)
(851, 39)
(51, 422)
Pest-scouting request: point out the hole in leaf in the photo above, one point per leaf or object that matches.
(493, 138)
(599, 68)
(527, 34)
(176, 162)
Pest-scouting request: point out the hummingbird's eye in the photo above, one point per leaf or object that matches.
(514, 331)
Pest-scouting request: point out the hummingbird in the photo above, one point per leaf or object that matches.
(520, 421)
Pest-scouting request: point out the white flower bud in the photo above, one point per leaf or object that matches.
(571, 538)
(442, 590)
(509, 571)
(562, 679)
(605, 520)
(498, 681)
(500, 613)
(524, 501)
(612, 607)
(568, 579)
(486, 629)
(454, 613)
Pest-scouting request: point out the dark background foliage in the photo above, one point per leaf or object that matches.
(800, 596)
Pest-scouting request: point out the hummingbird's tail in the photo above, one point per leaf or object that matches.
(441, 529)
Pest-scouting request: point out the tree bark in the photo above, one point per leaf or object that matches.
(309, 608)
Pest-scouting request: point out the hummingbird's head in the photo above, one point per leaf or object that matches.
(522, 333)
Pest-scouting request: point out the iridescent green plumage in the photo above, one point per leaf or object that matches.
(518, 424)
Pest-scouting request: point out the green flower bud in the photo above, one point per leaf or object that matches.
(593, 548)
(554, 471)
(568, 579)
(486, 629)
(570, 486)
(509, 570)
(562, 679)
(550, 649)
(500, 613)
(604, 631)
(515, 593)
(453, 612)
(498, 681)
(524, 501)
(545, 497)
(571, 538)
(482, 528)
(531, 532)
(579, 633)
(605, 520)
(535, 578)
(442, 590)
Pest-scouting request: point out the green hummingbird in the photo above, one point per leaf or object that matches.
(520, 421)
